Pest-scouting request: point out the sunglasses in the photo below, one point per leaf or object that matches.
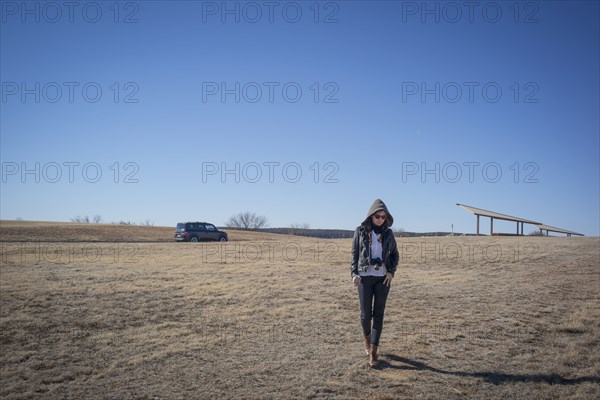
(380, 216)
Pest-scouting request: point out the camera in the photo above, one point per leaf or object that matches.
(376, 262)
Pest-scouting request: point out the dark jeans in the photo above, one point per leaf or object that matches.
(372, 287)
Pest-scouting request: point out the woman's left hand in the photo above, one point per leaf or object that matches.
(388, 279)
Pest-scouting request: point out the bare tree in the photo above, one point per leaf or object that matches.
(247, 220)
(258, 222)
(303, 225)
(97, 219)
(399, 231)
(294, 228)
(81, 220)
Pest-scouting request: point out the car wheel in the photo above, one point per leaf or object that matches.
(194, 239)
(222, 239)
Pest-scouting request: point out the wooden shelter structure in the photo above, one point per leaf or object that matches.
(520, 221)
(479, 212)
(558, 230)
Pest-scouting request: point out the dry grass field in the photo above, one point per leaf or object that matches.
(132, 315)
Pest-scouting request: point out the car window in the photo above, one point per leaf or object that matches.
(201, 227)
(180, 227)
(210, 227)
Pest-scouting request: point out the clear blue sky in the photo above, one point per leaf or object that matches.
(402, 86)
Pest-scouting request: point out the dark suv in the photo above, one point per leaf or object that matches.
(198, 231)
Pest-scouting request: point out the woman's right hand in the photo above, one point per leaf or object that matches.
(356, 280)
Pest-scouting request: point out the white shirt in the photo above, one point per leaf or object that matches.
(376, 252)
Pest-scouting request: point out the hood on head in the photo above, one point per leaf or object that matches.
(379, 205)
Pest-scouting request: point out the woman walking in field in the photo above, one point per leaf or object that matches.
(374, 261)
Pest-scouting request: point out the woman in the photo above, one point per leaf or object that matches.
(374, 261)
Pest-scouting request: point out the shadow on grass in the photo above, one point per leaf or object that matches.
(492, 377)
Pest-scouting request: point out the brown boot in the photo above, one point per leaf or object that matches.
(373, 359)
(368, 345)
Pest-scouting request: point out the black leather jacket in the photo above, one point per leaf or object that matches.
(361, 251)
